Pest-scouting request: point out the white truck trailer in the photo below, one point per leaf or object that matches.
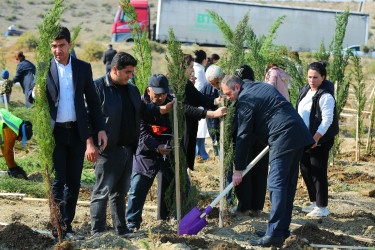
(303, 28)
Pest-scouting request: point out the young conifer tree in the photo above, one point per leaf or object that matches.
(48, 30)
(178, 77)
(142, 50)
(359, 87)
(74, 37)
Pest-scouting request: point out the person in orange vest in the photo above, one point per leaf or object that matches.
(13, 129)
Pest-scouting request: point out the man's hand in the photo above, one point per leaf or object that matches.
(220, 112)
(102, 139)
(237, 177)
(166, 108)
(316, 137)
(91, 151)
(217, 100)
(164, 149)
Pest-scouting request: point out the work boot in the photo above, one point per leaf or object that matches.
(268, 241)
(17, 172)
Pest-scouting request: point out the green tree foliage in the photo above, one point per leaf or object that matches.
(48, 30)
(3, 62)
(74, 37)
(234, 56)
(177, 82)
(336, 69)
(27, 41)
(142, 50)
(93, 51)
(359, 87)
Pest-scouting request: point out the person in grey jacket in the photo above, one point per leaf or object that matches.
(264, 114)
(122, 109)
(24, 75)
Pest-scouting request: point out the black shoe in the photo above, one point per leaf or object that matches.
(268, 241)
(128, 232)
(260, 233)
(18, 172)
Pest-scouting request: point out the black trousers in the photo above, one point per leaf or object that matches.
(251, 192)
(313, 166)
(68, 156)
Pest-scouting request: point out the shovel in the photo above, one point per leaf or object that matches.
(195, 220)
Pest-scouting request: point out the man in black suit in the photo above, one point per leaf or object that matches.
(69, 85)
(24, 75)
(108, 56)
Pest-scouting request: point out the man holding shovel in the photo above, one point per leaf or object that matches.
(263, 113)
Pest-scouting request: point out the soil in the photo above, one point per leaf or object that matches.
(351, 215)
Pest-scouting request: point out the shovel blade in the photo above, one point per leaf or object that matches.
(192, 223)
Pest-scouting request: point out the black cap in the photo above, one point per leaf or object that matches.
(159, 84)
(245, 72)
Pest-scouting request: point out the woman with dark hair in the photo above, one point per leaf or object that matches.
(212, 59)
(317, 107)
(24, 75)
(196, 99)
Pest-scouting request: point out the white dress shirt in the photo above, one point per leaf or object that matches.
(200, 75)
(327, 105)
(66, 110)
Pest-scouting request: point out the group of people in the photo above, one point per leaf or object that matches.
(128, 138)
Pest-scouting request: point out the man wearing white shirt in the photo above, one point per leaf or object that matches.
(69, 87)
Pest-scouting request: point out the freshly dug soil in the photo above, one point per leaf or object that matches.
(313, 234)
(19, 236)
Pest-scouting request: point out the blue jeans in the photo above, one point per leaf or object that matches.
(200, 149)
(140, 185)
(112, 171)
(2, 98)
(282, 183)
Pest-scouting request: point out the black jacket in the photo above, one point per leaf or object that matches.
(107, 58)
(85, 97)
(316, 113)
(155, 130)
(196, 99)
(263, 113)
(111, 104)
(25, 76)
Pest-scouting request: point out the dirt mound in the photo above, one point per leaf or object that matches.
(19, 236)
(295, 243)
(222, 245)
(314, 235)
(191, 241)
(352, 178)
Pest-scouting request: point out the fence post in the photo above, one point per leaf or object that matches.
(177, 160)
(221, 211)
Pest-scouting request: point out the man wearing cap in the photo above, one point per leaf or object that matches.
(12, 129)
(122, 108)
(152, 156)
(108, 56)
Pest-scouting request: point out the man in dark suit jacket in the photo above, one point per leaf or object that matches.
(69, 85)
(24, 75)
(263, 113)
(108, 56)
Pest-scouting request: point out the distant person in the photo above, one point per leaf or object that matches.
(13, 129)
(317, 107)
(5, 86)
(200, 61)
(108, 56)
(212, 59)
(24, 75)
(277, 77)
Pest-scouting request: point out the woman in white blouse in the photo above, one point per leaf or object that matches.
(317, 107)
